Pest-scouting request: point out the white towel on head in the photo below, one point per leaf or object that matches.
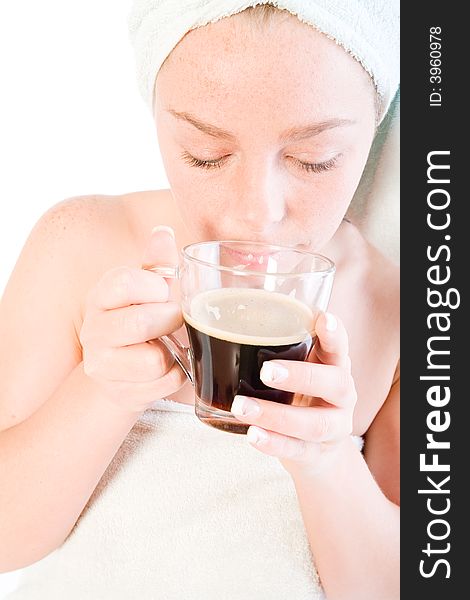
(367, 29)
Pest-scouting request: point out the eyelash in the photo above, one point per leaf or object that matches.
(217, 164)
(318, 167)
(202, 164)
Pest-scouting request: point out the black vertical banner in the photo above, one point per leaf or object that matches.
(434, 259)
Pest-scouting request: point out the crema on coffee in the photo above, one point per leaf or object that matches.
(232, 332)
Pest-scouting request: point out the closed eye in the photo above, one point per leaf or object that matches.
(192, 161)
(216, 163)
(317, 167)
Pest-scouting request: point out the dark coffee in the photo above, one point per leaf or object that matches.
(232, 332)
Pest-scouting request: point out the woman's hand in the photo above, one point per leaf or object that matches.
(126, 311)
(305, 438)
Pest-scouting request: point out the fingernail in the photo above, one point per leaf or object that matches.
(331, 322)
(255, 435)
(273, 372)
(245, 407)
(164, 228)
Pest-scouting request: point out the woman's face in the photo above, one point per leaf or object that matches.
(264, 131)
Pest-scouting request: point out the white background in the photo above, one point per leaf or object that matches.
(72, 121)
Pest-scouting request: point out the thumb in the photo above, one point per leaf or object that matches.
(161, 250)
(333, 346)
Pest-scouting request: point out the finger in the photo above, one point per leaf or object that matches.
(332, 345)
(171, 382)
(123, 286)
(161, 249)
(283, 447)
(141, 363)
(133, 324)
(140, 392)
(333, 384)
(307, 423)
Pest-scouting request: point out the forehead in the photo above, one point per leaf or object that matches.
(284, 65)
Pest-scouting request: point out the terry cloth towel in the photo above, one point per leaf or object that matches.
(375, 208)
(184, 511)
(367, 29)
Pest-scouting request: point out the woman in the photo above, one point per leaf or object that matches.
(265, 125)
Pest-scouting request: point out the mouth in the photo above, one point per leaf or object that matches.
(248, 257)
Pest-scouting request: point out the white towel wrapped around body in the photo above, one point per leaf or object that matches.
(184, 511)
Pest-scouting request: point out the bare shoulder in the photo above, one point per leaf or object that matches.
(383, 277)
(100, 212)
(105, 231)
(76, 222)
(67, 251)
(382, 282)
(109, 229)
(369, 297)
(382, 437)
(366, 295)
(371, 281)
(73, 218)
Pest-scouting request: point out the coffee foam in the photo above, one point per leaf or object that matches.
(251, 316)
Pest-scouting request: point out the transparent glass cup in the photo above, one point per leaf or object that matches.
(244, 303)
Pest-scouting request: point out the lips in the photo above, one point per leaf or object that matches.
(248, 257)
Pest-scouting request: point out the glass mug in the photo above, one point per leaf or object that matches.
(244, 303)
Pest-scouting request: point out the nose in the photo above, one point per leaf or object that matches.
(261, 195)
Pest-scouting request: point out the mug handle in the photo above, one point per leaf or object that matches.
(180, 352)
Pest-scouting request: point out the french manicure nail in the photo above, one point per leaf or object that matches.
(164, 228)
(245, 407)
(255, 435)
(273, 372)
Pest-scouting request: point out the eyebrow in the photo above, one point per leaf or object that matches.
(292, 134)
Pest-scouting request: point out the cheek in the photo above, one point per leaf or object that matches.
(336, 190)
(326, 198)
(200, 210)
(319, 212)
(319, 208)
